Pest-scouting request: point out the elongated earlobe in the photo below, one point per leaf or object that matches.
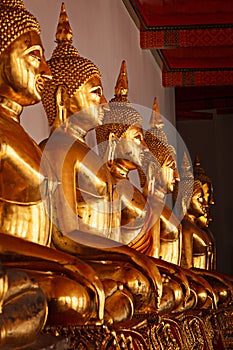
(60, 104)
(151, 177)
(111, 149)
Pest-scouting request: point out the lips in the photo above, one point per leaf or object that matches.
(39, 84)
(101, 117)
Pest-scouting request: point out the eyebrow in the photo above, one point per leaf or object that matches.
(33, 48)
(96, 87)
(171, 162)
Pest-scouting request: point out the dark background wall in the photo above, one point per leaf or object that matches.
(212, 140)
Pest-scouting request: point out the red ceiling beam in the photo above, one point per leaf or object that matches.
(156, 13)
(197, 77)
(175, 37)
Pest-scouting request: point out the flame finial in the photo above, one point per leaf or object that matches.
(121, 88)
(156, 119)
(197, 162)
(199, 172)
(186, 168)
(64, 32)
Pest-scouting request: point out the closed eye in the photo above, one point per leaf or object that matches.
(97, 90)
(35, 50)
(138, 137)
(36, 54)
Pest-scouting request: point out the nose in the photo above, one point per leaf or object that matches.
(144, 144)
(204, 203)
(104, 103)
(176, 175)
(45, 70)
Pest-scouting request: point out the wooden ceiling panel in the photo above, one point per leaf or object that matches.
(199, 57)
(194, 39)
(156, 13)
(193, 44)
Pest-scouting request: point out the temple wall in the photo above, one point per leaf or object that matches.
(104, 32)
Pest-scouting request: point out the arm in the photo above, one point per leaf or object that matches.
(24, 165)
(18, 253)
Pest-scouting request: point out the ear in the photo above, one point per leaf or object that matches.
(61, 96)
(110, 151)
(112, 137)
(151, 178)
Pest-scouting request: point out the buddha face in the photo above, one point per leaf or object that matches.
(169, 174)
(88, 101)
(197, 206)
(208, 193)
(24, 70)
(130, 148)
(209, 199)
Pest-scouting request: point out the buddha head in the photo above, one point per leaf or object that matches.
(76, 83)
(207, 187)
(121, 135)
(163, 156)
(23, 69)
(191, 192)
(197, 206)
(199, 174)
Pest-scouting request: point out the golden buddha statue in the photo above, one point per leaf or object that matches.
(204, 220)
(122, 146)
(23, 70)
(82, 203)
(23, 306)
(207, 186)
(196, 245)
(25, 227)
(162, 173)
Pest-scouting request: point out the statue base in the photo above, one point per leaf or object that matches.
(48, 342)
(205, 330)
